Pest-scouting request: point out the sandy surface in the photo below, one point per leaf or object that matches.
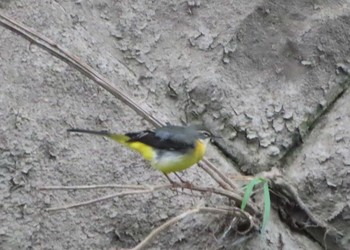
(270, 77)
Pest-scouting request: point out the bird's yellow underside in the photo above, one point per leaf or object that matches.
(169, 162)
(178, 163)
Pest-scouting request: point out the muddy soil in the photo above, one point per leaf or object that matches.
(269, 77)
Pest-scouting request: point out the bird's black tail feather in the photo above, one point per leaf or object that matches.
(77, 130)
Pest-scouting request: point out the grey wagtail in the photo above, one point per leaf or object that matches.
(169, 149)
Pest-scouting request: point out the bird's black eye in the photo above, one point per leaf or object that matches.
(205, 134)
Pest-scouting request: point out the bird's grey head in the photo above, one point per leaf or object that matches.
(184, 134)
(204, 136)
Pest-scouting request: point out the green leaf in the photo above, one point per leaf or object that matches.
(267, 206)
(267, 202)
(249, 191)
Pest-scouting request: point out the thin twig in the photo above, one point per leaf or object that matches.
(159, 229)
(212, 175)
(174, 220)
(107, 197)
(88, 71)
(288, 189)
(241, 177)
(235, 197)
(82, 187)
(212, 167)
(231, 195)
(212, 172)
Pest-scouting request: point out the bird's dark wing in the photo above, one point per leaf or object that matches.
(152, 139)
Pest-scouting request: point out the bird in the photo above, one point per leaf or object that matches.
(169, 149)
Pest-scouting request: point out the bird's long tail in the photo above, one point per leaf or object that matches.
(121, 138)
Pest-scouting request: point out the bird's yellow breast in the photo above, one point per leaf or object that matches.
(173, 161)
(200, 149)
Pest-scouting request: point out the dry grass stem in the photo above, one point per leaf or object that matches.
(158, 230)
(221, 183)
(143, 190)
(83, 187)
(214, 169)
(107, 197)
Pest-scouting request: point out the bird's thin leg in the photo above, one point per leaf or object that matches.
(178, 176)
(172, 183)
(189, 184)
(170, 180)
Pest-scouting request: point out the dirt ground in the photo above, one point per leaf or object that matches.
(269, 77)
